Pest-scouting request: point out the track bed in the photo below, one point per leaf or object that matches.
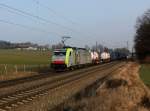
(51, 91)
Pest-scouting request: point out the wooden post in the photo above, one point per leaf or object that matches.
(24, 67)
(5, 68)
(16, 68)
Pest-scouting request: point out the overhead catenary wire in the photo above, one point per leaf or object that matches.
(27, 27)
(28, 14)
(16, 13)
(54, 12)
(45, 20)
(36, 17)
(62, 16)
(25, 16)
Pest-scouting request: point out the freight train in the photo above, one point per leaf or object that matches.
(72, 57)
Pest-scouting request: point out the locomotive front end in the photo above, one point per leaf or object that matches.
(58, 59)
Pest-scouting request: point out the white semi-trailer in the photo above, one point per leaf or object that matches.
(105, 57)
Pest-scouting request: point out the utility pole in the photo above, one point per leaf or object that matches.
(127, 45)
(96, 46)
(64, 38)
(132, 52)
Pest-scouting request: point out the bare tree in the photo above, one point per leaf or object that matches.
(142, 37)
(57, 46)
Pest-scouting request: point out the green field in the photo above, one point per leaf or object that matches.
(8, 56)
(145, 73)
(23, 60)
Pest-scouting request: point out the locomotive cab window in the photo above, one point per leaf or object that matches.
(70, 54)
(59, 53)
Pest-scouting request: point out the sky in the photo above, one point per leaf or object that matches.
(109, 22)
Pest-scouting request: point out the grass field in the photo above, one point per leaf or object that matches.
(22, 60)
(24, 57)
(145, 73)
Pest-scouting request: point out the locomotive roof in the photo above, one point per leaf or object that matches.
(59, 50)
(74, 47)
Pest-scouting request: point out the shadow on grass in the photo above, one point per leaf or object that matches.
(145, 101)
(115, 83)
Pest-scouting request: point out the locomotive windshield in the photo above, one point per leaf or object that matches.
(60, 53)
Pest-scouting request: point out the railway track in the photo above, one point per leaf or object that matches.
(32, 78)
(34, 82)
(27, 83)
(11, 100)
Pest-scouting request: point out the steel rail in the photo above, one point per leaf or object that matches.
(17, 88)
(12, 82)
(10, 100)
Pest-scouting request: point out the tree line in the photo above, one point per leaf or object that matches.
(142, 37)
(9, 45)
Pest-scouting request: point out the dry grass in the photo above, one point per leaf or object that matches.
(124, 91)
(16, 75)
